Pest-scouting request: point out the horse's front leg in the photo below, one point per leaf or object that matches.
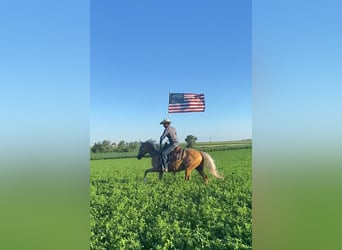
(161, 175)
(187, 174)
(147, 171)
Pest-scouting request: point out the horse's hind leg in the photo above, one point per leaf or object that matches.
(191, 166)
(188, 171)
(201, 172)
(187, 174)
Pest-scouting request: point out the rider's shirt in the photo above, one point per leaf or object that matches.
(171, 134)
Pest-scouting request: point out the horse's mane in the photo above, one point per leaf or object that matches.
(152, 142)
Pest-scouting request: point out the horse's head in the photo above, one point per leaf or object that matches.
(142, 150)
(146, 147)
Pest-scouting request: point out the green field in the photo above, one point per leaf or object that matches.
(127, 213)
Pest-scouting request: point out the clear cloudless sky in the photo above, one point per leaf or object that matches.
(142, 50)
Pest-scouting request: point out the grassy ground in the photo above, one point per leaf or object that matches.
(127, 213)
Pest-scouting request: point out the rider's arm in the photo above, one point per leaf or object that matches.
(165, 133)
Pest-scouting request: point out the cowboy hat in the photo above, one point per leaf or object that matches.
(165, 121)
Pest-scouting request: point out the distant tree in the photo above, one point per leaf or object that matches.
(96, 148)
(106, 146)
(122, 147)
(133, 145)
(190, 140)
(121, 143)
(102, 147)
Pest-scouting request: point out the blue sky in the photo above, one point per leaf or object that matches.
(142, 50)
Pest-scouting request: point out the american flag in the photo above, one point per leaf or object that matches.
(186, 102)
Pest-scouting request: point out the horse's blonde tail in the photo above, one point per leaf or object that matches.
(209, 162)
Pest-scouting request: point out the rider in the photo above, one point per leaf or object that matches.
(171, 134)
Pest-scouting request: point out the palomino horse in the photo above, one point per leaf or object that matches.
(187, 159)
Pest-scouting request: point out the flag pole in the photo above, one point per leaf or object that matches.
(168, 114)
